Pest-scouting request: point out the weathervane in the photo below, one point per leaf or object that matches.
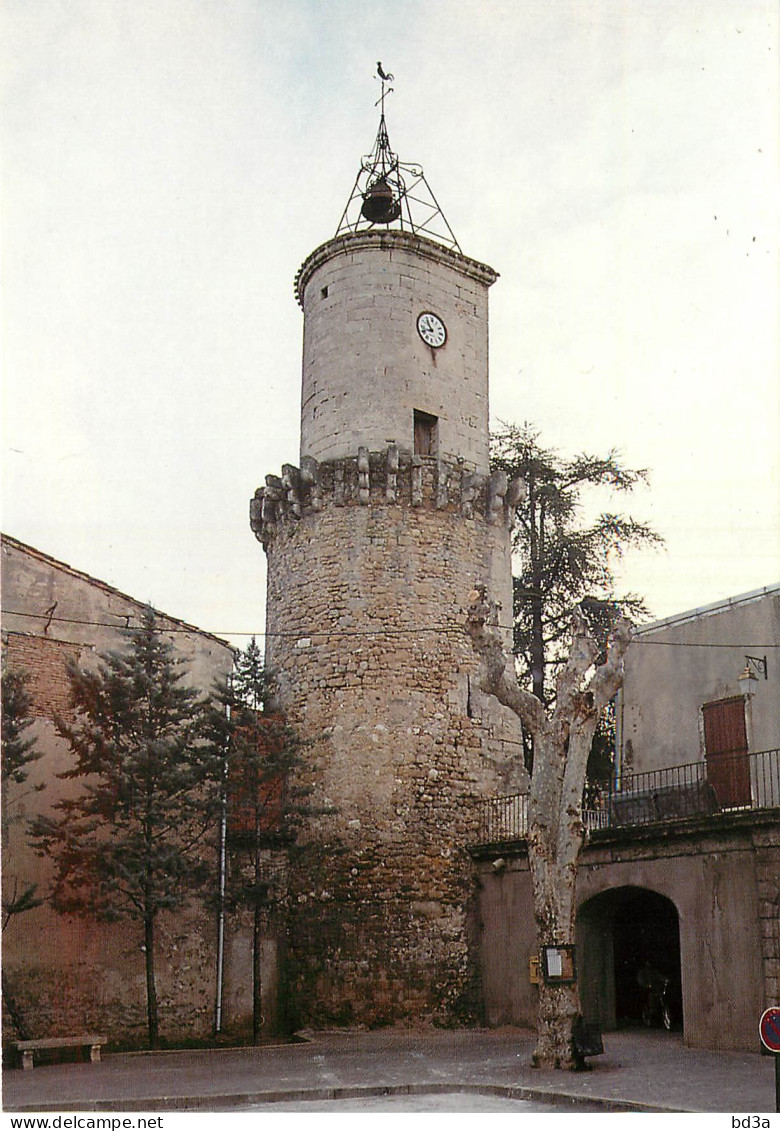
(387, 191)
(385, 78)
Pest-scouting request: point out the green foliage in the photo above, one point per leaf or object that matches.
(261, 753)
(563, 560)
(134, 841)
(131, 843)
(264, 795)
(603, 747)
(19, 750)
(250, 683)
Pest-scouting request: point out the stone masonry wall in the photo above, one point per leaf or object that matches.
(767, 848)
(370, 565)
(366, 368)
(723, 877)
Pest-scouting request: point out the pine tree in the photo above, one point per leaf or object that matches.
(266, 803)
(19, 750)
(563, 561)
(134, 843)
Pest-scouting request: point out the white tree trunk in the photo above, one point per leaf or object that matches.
(562, 742)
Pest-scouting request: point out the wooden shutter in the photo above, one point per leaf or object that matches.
(726, 748)
(424, 434)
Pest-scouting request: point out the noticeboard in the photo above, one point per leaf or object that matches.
(559, 964)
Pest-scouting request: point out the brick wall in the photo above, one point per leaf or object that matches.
(44, 660)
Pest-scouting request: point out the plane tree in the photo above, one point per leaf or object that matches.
(571, 632)
(562, 736)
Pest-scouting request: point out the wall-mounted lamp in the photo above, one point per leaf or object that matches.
(754, 666)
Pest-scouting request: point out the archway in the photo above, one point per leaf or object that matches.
(627, 937)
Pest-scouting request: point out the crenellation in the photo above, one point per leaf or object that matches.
(392, 475)
(393, 464)
(497, 487)
(470, 488)
(364, 482)
(442, 480)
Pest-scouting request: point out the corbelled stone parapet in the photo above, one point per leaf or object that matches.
(391, 477)
(389, 241)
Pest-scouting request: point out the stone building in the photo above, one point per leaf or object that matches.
(681, 866)
(374, 541)
(694, 688)
(62, 974)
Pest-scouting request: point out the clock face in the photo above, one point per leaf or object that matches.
(431, 329)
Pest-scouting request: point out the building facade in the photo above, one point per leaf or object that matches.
(702, 685)
(681, 865)
(64, 974)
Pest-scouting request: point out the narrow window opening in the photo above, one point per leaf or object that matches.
(324, 292)
(426, 428)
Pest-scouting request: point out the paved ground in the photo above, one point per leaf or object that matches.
(425, 1102)
(640, 1071)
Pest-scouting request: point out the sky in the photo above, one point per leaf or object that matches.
(169, 164)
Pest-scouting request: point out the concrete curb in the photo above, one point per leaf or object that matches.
(237, 1101)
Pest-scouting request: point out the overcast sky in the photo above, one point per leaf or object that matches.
(168, 164)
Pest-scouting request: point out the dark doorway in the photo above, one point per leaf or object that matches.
(630, 959)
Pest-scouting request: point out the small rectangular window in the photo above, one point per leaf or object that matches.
(426, 429)
(324, 292)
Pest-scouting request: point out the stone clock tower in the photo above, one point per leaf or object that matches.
(374, 541)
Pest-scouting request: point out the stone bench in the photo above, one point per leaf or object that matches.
(90, 1041)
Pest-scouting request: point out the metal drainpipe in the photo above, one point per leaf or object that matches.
(221, 916)
(617, 776)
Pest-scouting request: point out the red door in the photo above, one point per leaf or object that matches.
(726, 747)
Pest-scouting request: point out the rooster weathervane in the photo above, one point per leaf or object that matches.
(389, 191)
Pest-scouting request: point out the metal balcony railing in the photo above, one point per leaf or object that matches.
(503, 818)
(724, 783)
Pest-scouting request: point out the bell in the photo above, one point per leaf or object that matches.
(379, 204)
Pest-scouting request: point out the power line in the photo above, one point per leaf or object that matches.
(308, 634)
(298, 635)
(682, 644)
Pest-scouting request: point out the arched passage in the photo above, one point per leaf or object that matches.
(628, 936)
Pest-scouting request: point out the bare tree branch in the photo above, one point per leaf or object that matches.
(562, 737)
